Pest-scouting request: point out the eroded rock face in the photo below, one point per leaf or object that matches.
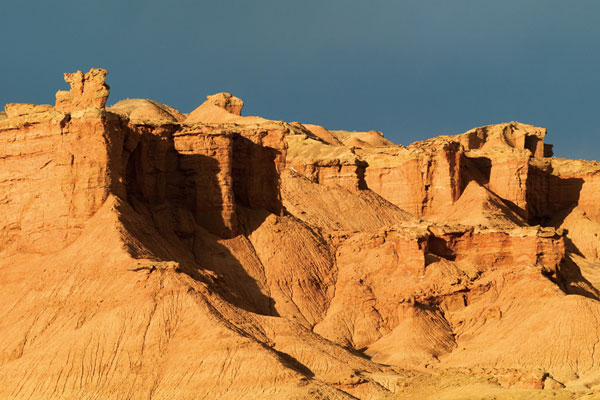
(88, 90)
(151, 254)
(427, 177)
(226, 101)
(55, 174)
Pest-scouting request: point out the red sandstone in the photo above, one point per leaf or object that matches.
(145, 253)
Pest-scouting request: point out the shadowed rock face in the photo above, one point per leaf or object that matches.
(145, 253)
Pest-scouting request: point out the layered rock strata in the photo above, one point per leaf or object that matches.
(147, 253)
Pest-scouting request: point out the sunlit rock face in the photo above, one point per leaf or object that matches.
(148, 253)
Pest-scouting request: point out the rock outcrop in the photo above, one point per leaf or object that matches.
(146, 253)
(226, 101)
(142, 111)
(88, 90)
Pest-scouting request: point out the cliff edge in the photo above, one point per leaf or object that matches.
(146, 253)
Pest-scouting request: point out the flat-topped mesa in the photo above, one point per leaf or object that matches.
(88, 90)
(507, 135)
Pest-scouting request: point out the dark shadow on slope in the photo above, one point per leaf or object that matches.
(478, 169)
(198, 187)
(209, 185)
(294, 364)
(571, 280)
(532, 142)
(251, 219)
(156, 175)
(254, 176)
(360, 352)
(178, 212)
(546, 194)
(361, 169)
(569, 245)
(208, 261)
(439, 247)
(514, 208)
(549, 195)
(231, 278)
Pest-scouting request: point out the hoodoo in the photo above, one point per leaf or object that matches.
(150, 254)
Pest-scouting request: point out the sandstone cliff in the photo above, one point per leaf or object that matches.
(145, 253)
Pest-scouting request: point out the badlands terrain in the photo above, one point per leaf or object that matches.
(151, 254)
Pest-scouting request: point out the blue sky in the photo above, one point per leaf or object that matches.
(412, 69)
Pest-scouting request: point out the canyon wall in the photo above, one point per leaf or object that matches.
(147, 252)
(59, 164)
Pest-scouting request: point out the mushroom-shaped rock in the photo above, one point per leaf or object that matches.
(226, 101)
(88, 90)
(221, 108)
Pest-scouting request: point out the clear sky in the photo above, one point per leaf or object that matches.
(412, 69)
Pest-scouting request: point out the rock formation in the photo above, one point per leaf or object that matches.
(87, 91)
(146, 253)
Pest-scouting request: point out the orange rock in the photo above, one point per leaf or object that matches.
(226, 101)
(87, 91)
(149, 254)
(147, 111)
(221, 108)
